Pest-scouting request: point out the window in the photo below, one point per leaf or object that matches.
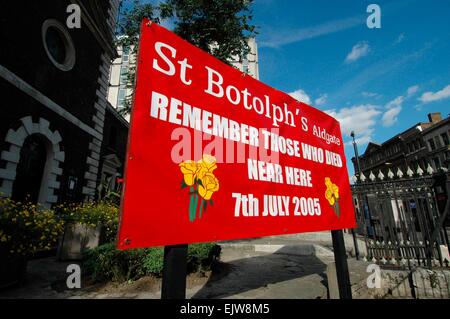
(123, 75)
(445, 139)
(437, 141)
(58, 44)
(417, 145)
(125, 54)
(432, 145)
(121, 98)
(245, 65)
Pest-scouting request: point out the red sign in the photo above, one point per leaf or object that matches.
(214, 154)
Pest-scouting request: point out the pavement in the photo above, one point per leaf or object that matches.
(243, 274)
(315, 241)
(258, 274)
(290, 266)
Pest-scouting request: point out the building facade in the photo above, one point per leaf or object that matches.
(402, 188)
(423, 145)
(118, 91)
(249, 63)
(53, 83)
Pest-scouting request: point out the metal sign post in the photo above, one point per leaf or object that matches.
(174, 272)
(340, 258)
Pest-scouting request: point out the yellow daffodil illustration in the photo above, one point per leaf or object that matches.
(202, 182)
(332, 195)
(207, 163)
(209, 185)
(189, 170)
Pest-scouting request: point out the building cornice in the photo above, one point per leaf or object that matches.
(101, 26)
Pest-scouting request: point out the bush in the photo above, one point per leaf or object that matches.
(26, 228)
(201, 256)
(108, 263)
(93, 214)
(154, 260)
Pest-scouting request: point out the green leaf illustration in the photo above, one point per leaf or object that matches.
(195, 205)
(337, 210)
(191, 206)
(202, 205)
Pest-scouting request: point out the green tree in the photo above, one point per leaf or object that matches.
(220, 27)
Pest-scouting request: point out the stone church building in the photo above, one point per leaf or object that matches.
(59, 137)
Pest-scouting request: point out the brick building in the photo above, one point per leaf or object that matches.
(58, 136)
(424, 145)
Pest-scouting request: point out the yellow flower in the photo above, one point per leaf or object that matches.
(329, 196)
(189, 170)
(206, 165)
(208, 162)
(332, 191)
(209, 185)
(335, 190)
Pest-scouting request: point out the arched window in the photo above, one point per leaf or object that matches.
(30, 169)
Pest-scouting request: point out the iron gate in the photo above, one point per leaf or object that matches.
(403, 217)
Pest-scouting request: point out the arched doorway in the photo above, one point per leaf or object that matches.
(30, 145)
(30, 169)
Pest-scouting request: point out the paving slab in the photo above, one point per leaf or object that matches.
(289, 266)
(268, 275)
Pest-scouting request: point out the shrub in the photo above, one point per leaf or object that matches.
(154, 261)
(26, 228)
(93, 214)
(201, 256)
(108, 263)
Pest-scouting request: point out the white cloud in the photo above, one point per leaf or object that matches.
(359, 118)
(398, 101)
(301, 96)
(276, 38)
(358, 51)
(412, 90)
(428, 97)
(390, 117)
(370, 95)
(374, 72)
(400, 38)
(394, 107)
(321, 100)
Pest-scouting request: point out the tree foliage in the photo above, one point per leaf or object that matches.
(220, 27)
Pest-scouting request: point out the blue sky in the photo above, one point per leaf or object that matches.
(377, 82)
